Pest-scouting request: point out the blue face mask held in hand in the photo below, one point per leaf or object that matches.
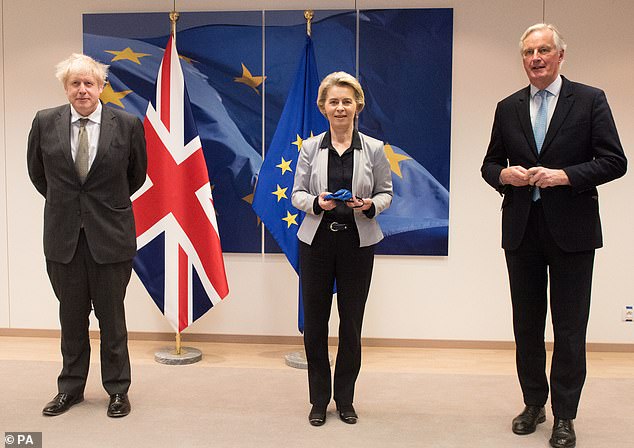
(340, 195)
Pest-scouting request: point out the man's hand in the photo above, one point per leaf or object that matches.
(545, 177)
(514, 175)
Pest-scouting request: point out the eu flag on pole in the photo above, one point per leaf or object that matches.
(299, 120)
(179, 259)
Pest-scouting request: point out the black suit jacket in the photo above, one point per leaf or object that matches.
(102, 203)
(582, 140)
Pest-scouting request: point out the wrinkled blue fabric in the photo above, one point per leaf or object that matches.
(340, 195)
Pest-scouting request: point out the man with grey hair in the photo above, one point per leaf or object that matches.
(552, 144)
(87, 160)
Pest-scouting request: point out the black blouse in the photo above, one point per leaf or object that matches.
(340, 168)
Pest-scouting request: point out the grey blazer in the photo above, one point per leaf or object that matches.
(371, 178)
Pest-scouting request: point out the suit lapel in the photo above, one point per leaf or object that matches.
(524, 115)
(564, 104)
(108, 125)
(63, 133)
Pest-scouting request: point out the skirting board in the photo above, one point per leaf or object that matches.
(298, 340)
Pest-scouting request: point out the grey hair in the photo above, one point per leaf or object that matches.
(80, 64)
(560, 44)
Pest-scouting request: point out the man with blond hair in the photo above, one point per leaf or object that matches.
(552, 144)
(87, 160)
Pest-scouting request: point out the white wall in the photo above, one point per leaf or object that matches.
(463, 296)
(4, 256)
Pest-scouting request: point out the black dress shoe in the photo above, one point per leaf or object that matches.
(563, 434)
(347, 414)
(317, 416)
(119, 405)
(527, 421)
(61, 403)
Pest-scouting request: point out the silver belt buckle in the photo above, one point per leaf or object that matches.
(332, 228)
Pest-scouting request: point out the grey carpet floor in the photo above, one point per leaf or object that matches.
(209, 406)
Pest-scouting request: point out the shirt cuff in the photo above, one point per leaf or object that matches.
(370, 212)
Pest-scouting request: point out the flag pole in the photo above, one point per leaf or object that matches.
(173, 19)
(181, 355)
(298, 359)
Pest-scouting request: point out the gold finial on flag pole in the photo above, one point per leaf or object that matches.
(308, 15)
(173, 18)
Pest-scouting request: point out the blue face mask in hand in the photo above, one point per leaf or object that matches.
(339, 195)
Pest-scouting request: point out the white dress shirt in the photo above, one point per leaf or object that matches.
(554, 89)
(93, 128)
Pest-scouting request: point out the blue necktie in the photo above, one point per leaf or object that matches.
(540, 125)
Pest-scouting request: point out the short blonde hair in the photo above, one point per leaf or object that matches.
(80, 64)
(560, 44)
(342, 79)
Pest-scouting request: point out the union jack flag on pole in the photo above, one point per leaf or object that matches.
(179, 258)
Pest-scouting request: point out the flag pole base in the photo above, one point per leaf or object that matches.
(188, 355)
(298, 360)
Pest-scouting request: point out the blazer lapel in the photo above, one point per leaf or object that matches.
(322, 165)
(564, 105)
(357, 177)
(524, 115)
(108, 125)
(63, 133)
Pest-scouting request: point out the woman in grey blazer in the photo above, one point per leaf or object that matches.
(337, 238)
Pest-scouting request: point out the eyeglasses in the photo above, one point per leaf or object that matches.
(542, 51)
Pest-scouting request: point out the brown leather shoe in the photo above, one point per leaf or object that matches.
(527, 421)
(563, 434)
(119, 405)
(61, 403)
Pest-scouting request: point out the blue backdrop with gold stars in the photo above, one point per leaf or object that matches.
(239, 67)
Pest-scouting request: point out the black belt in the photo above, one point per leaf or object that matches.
(336, 226)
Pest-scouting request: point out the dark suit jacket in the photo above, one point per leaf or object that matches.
(581, 139)
(102, 203)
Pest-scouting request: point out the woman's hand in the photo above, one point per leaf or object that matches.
(359, 203)
(326, 204)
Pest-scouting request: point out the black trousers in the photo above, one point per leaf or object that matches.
(80, 285)
(334, 256)
(530, 267)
